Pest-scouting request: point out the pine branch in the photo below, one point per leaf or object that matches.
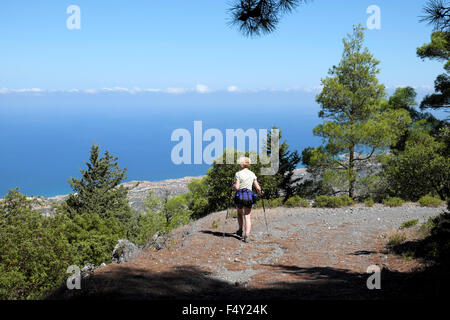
(257, 17)
(437, 13)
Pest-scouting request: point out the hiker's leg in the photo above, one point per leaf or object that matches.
(240, 218)
(248, 223)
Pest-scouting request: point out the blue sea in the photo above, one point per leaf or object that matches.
(46, 138)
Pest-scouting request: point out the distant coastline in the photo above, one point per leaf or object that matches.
(139, 191)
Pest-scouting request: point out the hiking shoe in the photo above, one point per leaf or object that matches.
(239, 233)
(246, 239)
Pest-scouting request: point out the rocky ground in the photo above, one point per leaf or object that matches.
(308, 253)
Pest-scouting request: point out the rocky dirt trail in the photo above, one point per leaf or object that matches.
(309, 253)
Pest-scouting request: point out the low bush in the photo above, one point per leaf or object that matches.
(425, 229)
(258, 204)
(393, 202)
(409, 224)
(433, 247)
(274, 203)
(439, 239)
(34, 256)
(396, 239)
(369, 202)
(408, 255)
(332, 202)
(296, 201)
(346, 200)
(430, 201)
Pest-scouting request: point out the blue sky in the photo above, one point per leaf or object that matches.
(187, 45)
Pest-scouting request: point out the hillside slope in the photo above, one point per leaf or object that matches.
(309, 253)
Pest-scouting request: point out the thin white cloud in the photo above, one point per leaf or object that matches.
(26, 90)
(314, 89)
(175, 90)
(304, 89)
(233, 89)
(152, 90)
(201, 88)
(33, 90)
(123, 90)
(422, 87)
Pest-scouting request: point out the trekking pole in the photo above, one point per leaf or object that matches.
(224, 224)
(228, 213)
(265, 218)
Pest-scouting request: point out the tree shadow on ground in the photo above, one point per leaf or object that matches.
(363, 253)
(192, 283)
(189, 282)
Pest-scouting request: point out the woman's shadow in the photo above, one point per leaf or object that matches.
(221, 234)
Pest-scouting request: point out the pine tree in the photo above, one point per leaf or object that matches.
(357, 124)
(98, 189)
(437, 13)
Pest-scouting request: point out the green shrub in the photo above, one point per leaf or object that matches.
(435, 245)
(408, 255)
(422, 167)
(346, 200)
(92, 237)
(393, 202)
(176, 212)
(332, 202)
(430, 201)
(147, 224)
(440, 239)
(425, 229)
(275, 203)
(327, 202)
(369, 202)
(269, 203)
(198, 198)
(34, 256)
(296, 201)
(396, 239)
(409, 224)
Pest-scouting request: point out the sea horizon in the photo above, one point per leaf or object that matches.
(48, 137)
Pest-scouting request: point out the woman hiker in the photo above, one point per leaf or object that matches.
(245, 179)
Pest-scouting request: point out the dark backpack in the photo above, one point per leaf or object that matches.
(245, 197)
